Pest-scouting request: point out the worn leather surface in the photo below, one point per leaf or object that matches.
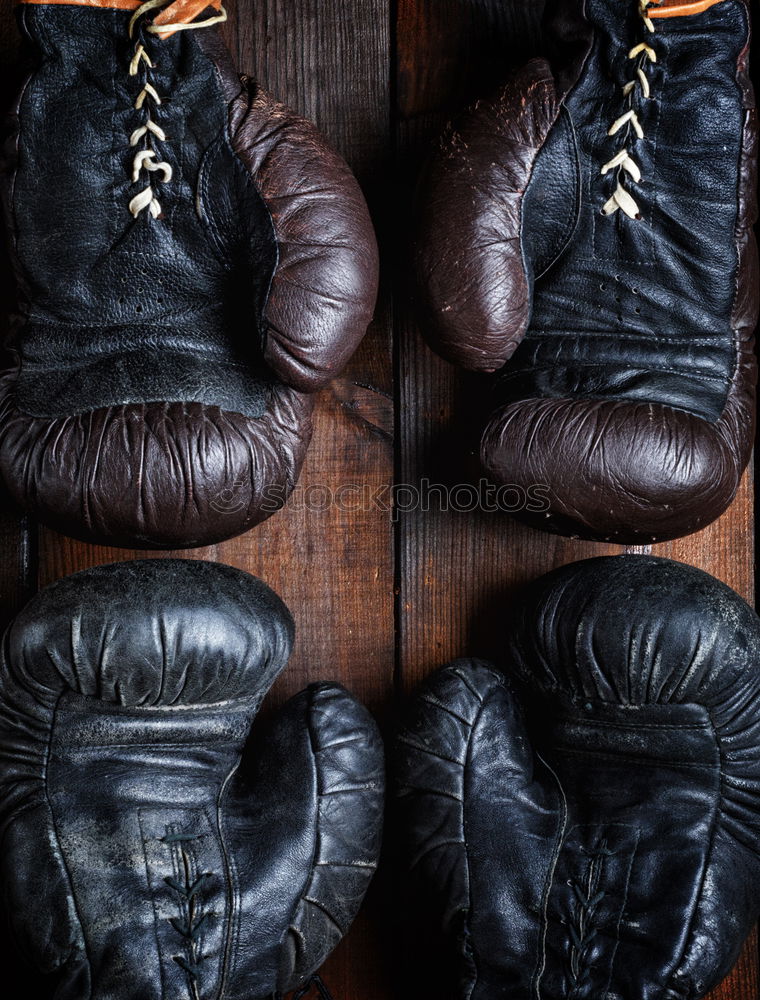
(163, 362)
(149, 848)
(586, 824)
(624, 347)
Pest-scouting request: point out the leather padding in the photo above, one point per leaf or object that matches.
(160, 475)
(157, 397)
(583, 821)
(629, 399)
(626, 472)
(640, 630)
(152, 845)
(193, 632)
(324, 288)
(473, 284)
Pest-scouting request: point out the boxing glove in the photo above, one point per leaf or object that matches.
(603, 838)
(145, 853)
(587, 234)
(193, 262)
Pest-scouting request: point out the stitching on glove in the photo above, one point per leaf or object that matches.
(639, 761)
(716, 822)
(583, 926)
(146, 158)
(654, 727)
(316, 982)
(421, 748)
(191, 919)
(540, 333)
(540, 968)
(691, 373)
(623, 163)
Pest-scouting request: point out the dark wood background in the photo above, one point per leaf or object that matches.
(380, 601)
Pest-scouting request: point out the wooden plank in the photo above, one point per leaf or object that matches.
(458, 571)
(333, 567)
(726, 547)
(468, 563)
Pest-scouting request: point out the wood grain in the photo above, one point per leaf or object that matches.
(458, 572)
(333, 566)
(380, 601)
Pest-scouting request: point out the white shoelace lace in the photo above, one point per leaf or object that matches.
(147, 157)
(628, 125)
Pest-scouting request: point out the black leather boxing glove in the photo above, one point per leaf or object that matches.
(587, 233)
(144, 853)
(608, 844)
(193, 262)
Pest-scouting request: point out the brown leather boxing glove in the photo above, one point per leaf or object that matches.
(587, 234)
(193, 261)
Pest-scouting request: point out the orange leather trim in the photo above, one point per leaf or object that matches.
(184, 11)
(680, 8)
(112, 4)
(179, 12)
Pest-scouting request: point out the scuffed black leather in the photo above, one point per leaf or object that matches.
(640, 311)
(623, 347)
(147, 850)
(167, 363)
(603, 842)
(123, 310)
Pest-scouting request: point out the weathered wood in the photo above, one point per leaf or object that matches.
(336, 567)
(333, 567)
(457, 572)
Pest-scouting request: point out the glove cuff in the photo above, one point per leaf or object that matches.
(83, 723)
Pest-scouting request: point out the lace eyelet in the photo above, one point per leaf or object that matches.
(629, 124)
(145, 137)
